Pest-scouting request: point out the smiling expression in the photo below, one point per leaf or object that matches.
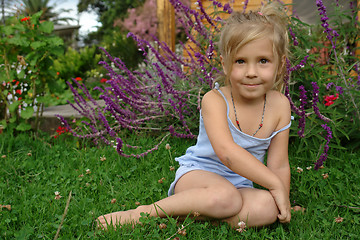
(253, 69)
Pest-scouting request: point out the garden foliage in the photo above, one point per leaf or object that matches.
(322, 83)
(27, 50)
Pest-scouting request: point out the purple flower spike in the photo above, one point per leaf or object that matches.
(330, 33)
(303, 102)
(293, 37)
(324, 155)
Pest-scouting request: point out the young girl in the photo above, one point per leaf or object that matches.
(238, 124)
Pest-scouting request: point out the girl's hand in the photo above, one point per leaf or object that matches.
(282, 201)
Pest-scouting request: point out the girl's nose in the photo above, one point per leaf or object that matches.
(251, 71)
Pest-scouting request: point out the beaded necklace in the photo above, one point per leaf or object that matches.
(262, 117)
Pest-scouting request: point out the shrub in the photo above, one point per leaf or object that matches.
(27, 51)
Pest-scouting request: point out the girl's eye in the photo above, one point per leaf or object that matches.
(240, 61)
(263, 61)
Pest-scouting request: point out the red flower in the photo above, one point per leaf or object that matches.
(18, 91)
(60, 130)
(78, 79)
(25, 19)
(57, 73)
(329, 100)
(103, 80)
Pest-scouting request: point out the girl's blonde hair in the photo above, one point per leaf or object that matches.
(242, 28)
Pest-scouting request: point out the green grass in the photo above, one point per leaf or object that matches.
(34, 169)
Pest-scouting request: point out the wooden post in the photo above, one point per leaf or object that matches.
(357, 51)
(166, 27)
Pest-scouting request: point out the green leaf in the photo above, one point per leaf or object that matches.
(55, 41)
(8, 30)
(37, 15)
(23, 127)
(12, 119)
(3, 123)
(57, 51)
(21, 74)
(19, 41)
(46, 27)
(14, 106)
(53, 86)
(37, 44)
(27, 113)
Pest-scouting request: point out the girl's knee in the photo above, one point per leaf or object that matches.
(258, 210)
(267, 208)
(226, 200)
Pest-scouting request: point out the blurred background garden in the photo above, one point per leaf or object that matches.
(134, 80)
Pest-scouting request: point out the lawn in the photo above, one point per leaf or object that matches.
(94, 181)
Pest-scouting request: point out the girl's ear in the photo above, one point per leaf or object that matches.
(223, 64)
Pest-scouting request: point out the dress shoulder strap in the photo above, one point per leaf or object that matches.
(286, 127)
(217, 87)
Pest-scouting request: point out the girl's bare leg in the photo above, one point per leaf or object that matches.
(211, 196)
(198, 191)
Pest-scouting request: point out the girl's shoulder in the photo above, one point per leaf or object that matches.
(278, 99)
(214, 100)
(280, 106)
(214, 95)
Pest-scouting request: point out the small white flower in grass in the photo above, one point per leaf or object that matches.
(103, 158)
(339, 219)
(182, 230)
(299, 169)
(57, 195)
(309, 168)
(162, 226)
(88, 171)
(242, 226)
(167, 146)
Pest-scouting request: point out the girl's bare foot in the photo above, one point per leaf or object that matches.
(120, 218)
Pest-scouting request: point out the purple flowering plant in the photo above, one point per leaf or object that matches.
(325, 66)
(164, 94)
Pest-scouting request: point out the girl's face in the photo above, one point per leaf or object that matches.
(253, 70)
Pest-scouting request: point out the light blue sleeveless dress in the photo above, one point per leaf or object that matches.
(202, 156)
